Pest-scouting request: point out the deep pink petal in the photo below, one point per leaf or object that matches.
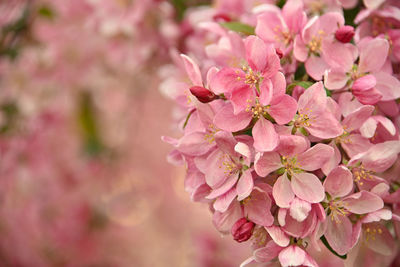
(240, 98)
(265, 136)
(308, 187)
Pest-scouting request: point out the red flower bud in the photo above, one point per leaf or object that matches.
(202, 94)
(221, 17)
(279, 53)
(344, 34)
(242, 230)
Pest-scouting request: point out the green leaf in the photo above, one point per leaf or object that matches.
(304, 84)
(46, 11)
(88, 123)
(323, 239)
(239, 27)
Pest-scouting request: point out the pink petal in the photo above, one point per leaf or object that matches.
(363, 202)
(292, 256)
(225, 142)
(339, 182)
(227, 80)
(266, 23)
(299, 209)
(381, 156)
(215, 173)
(283, 109)
(224, 221)
(240, 99)
(222, 203)
(243, 150)
(324, 125)
(294, 15)
(333, 161)
(337, 55)
(388, 85)
(279, 236)
(339, 233)
(373, 55)
(257, 208)
(308, 187)
(261, 57)
(266, 92)
(225, 187)
(300, 50)
(194, 144)
(244, 185)
(282, 192)
(267, 253)
(265, 136)
(355, 144)
(383, 243)
(314, 97)
(354, 120)
(278, 84)
(226, 120)
(292, 145)
(199, 194)
(335, 79)
(315, 157)
(266, 163)
(316, 67)
(364, 83)
(368, 97)
(193, 71)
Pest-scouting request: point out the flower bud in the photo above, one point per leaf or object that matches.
(344, 34)
(279, 53)
(242, 230)
(202, 94)
(221, 17)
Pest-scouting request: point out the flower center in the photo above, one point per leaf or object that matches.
(316, 42)
(337, 209)
(303, 120)
(371, 231)
(291, 165)
(210, 135)
(230, 165)
(361, 174)
(258, 109)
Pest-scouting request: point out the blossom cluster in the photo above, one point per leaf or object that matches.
(290, 120)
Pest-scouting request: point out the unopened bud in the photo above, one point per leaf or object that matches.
(344, 34)
(221, 17)
(202, 94)
(279, 53)
(242, 230)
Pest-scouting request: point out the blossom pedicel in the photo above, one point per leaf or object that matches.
(290, 122)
